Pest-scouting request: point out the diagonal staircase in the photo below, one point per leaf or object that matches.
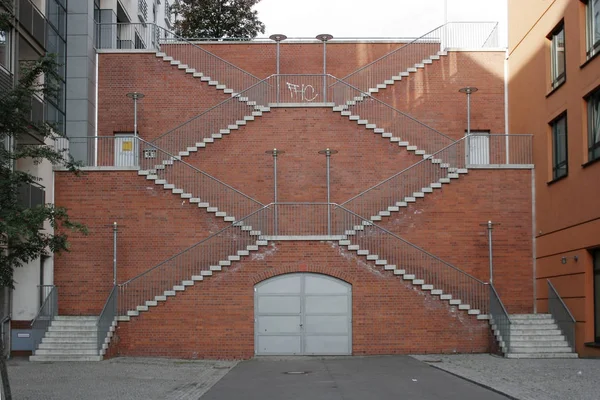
(424, 50)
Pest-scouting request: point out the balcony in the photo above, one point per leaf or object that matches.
(33, 21)
(31, 195)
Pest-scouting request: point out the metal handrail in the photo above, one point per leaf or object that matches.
(150, 158)
(44, 317)
(500, 318)
(440, 165)
(106, 317)
(208, 254)
(195, 261)
(272, 91)
(433, 37)
(561, 314)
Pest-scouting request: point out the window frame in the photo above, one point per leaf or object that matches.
(591, 28)
(593, 121)
(556, 78)
(558, 166)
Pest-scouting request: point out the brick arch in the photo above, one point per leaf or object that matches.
(291, 269)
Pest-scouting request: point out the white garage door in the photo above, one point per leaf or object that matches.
(303, 314)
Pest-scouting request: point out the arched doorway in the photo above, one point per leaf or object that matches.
(303, 314)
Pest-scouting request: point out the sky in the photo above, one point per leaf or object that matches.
(374, 18)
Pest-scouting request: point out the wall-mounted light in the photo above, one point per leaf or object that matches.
(564, 259)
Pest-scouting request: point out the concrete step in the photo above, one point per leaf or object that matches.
(75, 339)
(542, 355)
(87, 322)
(71, 334)
(76, 318)
(523, 349)
(47, 358)
(74, 328)
(535, 343)
(531, 332)
(67, 346)
(522, 326)
(530, 316)
(66, 352)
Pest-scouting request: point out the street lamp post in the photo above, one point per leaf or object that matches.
(275, 153)
(328, 152)
(490, 227)
(324, 37)
(135, 96)
(468, 90)
(278, 37)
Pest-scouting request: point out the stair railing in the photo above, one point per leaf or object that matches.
(106, 318)
(561, 314)
(471, 35)
(215, 119)
(500, 318)
(388, 118)
(133, 152)
(286, 89)
(328, 221)
(47, 312)
(196, 261)
(149, 36)
(481, 150)
(413, 259)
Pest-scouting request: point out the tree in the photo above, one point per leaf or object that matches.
(217, 19)
(21, 238)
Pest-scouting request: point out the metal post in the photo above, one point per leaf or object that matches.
(278, 37)
(275, 153)
(468, 90)
(135, 96)
(490, 227)
(324, 37)
(328, 152)
(114, 253)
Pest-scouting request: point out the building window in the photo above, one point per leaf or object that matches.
(5, 49)
(557, 56)
(594, 125)
(593, 27)
(560, 165)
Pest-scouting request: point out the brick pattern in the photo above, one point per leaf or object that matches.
(389, 316)
(447, 224)
(431, 94)
(153, 224)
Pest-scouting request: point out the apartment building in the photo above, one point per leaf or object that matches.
(39, 27)
(554, 93)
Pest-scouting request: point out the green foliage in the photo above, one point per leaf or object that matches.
(21, 239)
(218, 19)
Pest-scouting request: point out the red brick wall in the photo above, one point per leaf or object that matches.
(171, 96)
(215, 318)
(153, 224)
(431, 94)
(364, 158)
(446, 223)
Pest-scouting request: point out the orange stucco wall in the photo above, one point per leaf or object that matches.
(567, 212)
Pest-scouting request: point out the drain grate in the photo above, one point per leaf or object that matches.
(297, 372)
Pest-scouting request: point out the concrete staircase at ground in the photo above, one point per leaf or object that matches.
(534, 336)
(69, 338)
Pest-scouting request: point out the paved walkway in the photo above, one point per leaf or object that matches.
(348, 378)
(556, 379)
(343, 378)
(118, 378)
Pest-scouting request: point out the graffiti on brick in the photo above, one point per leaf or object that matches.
(302, 92)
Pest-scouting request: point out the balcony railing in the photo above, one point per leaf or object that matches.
(143, 11)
